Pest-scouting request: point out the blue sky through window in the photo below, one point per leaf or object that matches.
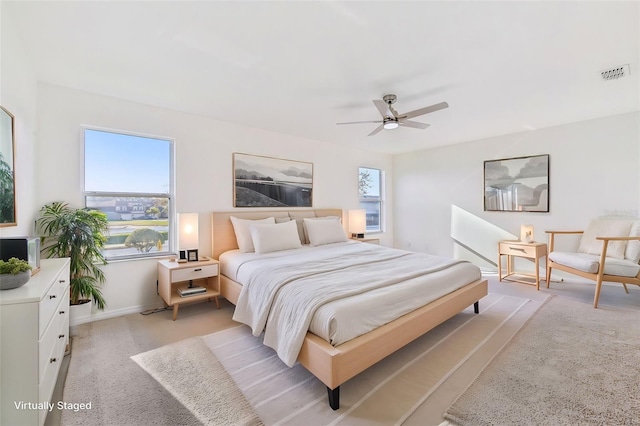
(117, 162)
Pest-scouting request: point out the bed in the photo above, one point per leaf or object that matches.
(334, 364)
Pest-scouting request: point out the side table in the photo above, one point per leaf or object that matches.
(173, 276)
(511, 249)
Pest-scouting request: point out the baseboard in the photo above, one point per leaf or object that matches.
(101, 315)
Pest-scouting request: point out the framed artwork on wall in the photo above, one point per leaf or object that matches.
(7, 171)
(519, 184)
(271, 182)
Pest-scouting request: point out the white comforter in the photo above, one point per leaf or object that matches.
(281, 293)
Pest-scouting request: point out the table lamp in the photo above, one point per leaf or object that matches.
(357, 223)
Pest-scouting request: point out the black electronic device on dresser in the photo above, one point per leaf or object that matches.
(25, 248)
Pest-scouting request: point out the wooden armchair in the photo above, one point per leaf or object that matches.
(613, 258)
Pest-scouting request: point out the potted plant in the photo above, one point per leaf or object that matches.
(78, 234)
(14, 273)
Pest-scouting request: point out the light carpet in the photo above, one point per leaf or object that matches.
(387, 393)
(208, 392)
(570, 365)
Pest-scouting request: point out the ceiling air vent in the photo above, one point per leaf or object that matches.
(615, 73)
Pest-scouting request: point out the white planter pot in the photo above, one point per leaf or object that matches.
(79, 314)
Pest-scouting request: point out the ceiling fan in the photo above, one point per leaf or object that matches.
(391, 119)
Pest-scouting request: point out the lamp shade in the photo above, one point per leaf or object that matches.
(188, 230)
(358, 222)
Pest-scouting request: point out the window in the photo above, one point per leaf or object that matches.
(130, 179)
(371, 197)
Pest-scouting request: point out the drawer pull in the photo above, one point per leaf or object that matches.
(61, 312)
(60, 336)
(53, 296)
(517, 249)
(52, 360)
(196, 270)
(62, 281)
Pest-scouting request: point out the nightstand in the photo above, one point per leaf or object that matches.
(173, 276)
(511, 249)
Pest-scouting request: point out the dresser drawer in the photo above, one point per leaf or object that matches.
(194, 273)
(521, 250)
(50, 372)
(51, 300)
(48, 344)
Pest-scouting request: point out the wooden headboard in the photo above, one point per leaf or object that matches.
(223, 237)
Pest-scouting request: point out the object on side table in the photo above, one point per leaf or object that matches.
(357, 223)
(526, 233)
(192, 255)
(188, 236)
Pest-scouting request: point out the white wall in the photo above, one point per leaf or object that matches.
(18, 96)
(593, 172)
(204, 150)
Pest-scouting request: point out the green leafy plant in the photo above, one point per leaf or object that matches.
(78, 234)
(14, 266)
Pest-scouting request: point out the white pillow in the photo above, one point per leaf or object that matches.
(324, 231)
(605, 228)
(276, 237)
(302, 225)
(243, 233)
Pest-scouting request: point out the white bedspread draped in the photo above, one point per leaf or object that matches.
(281, 293)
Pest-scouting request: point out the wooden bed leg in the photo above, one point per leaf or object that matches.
(334, 397)
(476, 307)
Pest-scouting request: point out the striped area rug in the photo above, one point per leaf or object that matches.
(412, 386)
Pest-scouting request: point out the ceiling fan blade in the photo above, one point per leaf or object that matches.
(382, 107)
(414, 124)
(359, 122)
(380, 127)
(425, 110)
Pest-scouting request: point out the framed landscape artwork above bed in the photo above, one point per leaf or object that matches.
(271, 182)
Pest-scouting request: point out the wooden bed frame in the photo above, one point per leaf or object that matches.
(335, 365)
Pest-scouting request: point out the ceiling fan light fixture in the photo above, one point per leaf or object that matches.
(391, 125)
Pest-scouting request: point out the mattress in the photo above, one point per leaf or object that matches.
(341, 320)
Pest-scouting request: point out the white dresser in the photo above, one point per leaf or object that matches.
(34, 331)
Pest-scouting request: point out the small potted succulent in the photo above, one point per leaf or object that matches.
(14, 273)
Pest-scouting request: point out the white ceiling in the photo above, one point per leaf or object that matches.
(299, 67)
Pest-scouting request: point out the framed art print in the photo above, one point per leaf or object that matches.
(192, 255)
(7, 172)
(519, 184)
(271, 182)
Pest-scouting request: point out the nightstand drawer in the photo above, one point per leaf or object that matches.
(521, 250)
(194, 273)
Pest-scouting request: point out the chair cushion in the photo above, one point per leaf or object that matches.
(633, 247)
(590, 263)
(605, 228)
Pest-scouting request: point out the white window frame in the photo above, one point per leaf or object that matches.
(172, 232)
